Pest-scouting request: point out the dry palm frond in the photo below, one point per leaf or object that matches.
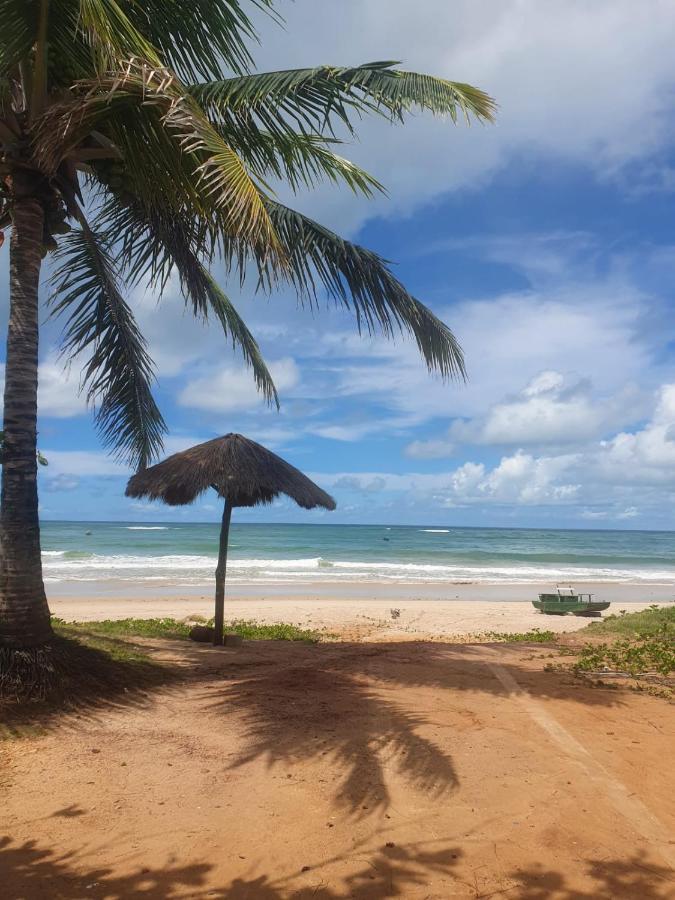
(242, 472)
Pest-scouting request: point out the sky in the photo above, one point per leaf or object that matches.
(546, 242)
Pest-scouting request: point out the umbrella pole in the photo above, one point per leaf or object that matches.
(220, 576)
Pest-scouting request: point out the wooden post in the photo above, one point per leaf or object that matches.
(221, 571)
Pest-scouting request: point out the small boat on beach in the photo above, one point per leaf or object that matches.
(567, 600)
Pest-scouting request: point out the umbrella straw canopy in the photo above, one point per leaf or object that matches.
(242, 472)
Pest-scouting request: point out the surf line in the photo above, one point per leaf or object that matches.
(639, 816)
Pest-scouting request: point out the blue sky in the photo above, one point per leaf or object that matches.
(546, 243)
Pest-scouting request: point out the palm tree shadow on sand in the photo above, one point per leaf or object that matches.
(30, 871)
(89, 680)
(306, 712)
(339, 702)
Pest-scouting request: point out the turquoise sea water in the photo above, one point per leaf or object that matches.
(185, 554)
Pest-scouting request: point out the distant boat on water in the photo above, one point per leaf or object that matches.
(567, 600)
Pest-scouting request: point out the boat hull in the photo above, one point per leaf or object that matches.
(564, 606)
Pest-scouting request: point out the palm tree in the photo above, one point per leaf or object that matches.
(134, 141)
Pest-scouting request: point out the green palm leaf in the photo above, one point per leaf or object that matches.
(361, 281)
(314, 99)
(118, 373)
(198, 44)
(301, 160)
(148, 102)
(17, 36)
(154, 244)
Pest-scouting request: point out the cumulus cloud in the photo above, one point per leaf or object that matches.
(62, 483)
(562, 88)
(58, 390)
(231, 388)
(608, 480)
(551, 409)
(646, 456)
(59, 395)
(517, 479)
(578, 331)
(82, 463)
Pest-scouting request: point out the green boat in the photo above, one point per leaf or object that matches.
(567, 600)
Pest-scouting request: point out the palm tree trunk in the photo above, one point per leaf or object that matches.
(221, 571)
(24, 614)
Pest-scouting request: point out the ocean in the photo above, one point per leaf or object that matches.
(185, 554)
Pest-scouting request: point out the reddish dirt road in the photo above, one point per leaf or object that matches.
(283, 771)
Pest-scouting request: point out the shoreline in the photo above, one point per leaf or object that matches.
(358, 611)
(614, 591)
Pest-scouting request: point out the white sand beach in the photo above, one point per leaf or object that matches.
(357, 609)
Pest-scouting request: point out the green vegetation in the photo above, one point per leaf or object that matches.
(172, 629)
(646, 622)
(534, 636)
(91, 664)
(646, 644)
(643, 655)
(281, 631)
(76, 671)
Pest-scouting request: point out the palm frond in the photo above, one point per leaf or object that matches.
(154, 243)
(118, 373)
(200, 43)
(299, 159)
(234, 326)
(112, 33)
(361, 281)
(313, 100)
(142, 97)
(17, 35)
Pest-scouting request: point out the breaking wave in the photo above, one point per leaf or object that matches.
(182, 569)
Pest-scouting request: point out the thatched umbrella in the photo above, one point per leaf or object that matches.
(242, 472)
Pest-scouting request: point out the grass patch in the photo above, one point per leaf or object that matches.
(650, 621)
(645, 644)
(646, 655)
(534, 636)
(282, 631)
(173, 629)
(148, 628)
(640, 647)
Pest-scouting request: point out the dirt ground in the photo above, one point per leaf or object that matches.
(368, 770)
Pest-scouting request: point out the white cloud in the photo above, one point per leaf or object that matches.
(58, 389)
(517, 479)
(81, 463)
(62, 483)
(549, 410)
(564, 91)
(646, 456)
(611, 480)
(355, 429)
(231, 388)
(524, 479)
(438, 449)
(579, 331)
(595, 515)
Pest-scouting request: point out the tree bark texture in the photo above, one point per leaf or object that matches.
(24, 613)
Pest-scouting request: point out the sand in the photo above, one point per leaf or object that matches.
(284, 771)
(360, 610)
(401, 761)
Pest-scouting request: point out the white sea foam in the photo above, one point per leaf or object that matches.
(195, 569)
(436, 530)
(146, 527)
